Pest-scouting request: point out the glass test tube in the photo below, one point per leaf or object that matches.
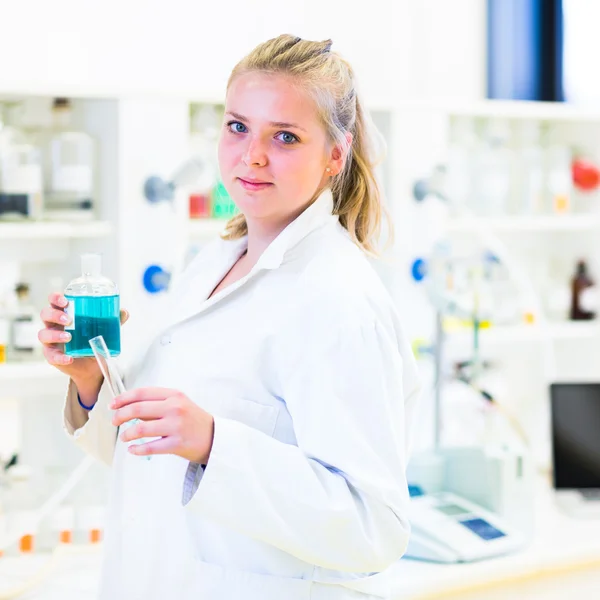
(108, 366)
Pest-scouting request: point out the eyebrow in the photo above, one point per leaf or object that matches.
(281, 124)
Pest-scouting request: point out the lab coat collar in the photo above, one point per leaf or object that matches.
(192, 297)
(316, 215)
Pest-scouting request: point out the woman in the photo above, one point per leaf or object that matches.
(280, 387)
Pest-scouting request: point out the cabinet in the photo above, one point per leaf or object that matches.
(543, 244)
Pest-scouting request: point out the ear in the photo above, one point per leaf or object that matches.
(338, 157)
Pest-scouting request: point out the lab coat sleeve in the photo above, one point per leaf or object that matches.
(93, 432)
(339, 499)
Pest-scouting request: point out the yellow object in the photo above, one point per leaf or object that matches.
(561, 204)
(2, 354)
(529, 318)
(453, 324)
(419, 347)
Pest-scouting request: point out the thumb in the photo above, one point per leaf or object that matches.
(124, 316)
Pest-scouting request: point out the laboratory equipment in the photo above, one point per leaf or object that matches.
(586, 175)
(558, 172)
(70, 158)
(223, 206)
(4, 333)
(461, 163)
(580, 284)
(156, 279)
(21, 187)
(20, 505)
(94, 309)
(465, 474)
(205, 126)
(25, 326)
(112, 378)
(490, 485)
(495, 166)
(157, 189)
(575, 419)
(447, 528)
(529, 168)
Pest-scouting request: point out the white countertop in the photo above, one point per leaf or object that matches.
(561, 544)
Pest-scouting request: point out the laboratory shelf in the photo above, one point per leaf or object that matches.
(206, 227)
(49, 230)
(510, 334)
(526, 224)
(537, 111)
(506, 109)
(25, 378)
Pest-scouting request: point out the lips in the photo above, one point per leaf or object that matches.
(253, 184)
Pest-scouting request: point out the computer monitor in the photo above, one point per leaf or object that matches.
(575, 415)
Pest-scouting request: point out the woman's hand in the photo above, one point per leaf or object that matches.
(185, 428)
(53, 338)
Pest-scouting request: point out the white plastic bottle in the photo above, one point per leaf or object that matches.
(20, 509)
(529, 169)
(4, 332)
(21, 185)
(494, 168)
(460, 172)
(559, 177)
(25, 326)
(70, 157)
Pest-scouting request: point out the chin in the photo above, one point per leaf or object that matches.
(255, 205)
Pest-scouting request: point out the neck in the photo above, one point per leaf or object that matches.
(261, 232)
(260, 236)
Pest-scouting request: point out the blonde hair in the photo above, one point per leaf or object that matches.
(330, 80)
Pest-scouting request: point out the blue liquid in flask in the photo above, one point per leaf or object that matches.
(93, 316)
(93, 306)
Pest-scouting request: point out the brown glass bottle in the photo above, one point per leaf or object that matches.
(581, 281)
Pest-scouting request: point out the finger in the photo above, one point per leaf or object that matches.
(146, 411)
(57, 300)
(145, 429)
(124, 316)
(166, 445)
(53, 336)
(52, 316)
(141, 395)
(56, 357)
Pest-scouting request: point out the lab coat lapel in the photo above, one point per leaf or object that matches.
(192, 295)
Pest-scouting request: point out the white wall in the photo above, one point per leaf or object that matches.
(423, 47)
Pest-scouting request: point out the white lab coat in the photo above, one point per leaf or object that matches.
(312, 385)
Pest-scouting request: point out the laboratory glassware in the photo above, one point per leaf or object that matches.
(94, 308)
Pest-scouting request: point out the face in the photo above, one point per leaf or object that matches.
(273, 150)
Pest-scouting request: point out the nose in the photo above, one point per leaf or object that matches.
(255, 154)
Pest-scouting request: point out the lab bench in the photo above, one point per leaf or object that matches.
(564, 554)
(564, 551)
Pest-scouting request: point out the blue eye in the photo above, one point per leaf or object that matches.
(236, 127)
(287, 138)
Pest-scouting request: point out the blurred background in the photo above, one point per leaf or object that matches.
(490, 112)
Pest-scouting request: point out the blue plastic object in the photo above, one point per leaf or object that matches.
(156, 189)
(414, 491)
(419, 269)
(421, 190)
(156, 279)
